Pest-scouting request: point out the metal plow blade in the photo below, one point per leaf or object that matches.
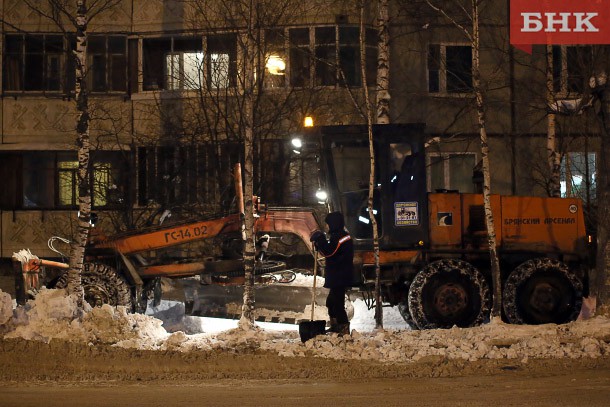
(273, 303)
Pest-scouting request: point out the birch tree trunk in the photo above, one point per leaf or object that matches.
(82, 128)
(247, 317)
(369, 123)
(553, 156)
(383, 63)
(475, 40)
(489, 218)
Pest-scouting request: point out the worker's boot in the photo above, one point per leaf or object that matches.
(343, 329)
(333, 326)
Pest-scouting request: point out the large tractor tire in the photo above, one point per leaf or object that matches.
(447, 293)
(102, 285)
(542, 291)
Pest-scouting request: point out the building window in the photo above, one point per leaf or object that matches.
(173, 63)
(275, 59)
(451, 171)
(103, 180)
(67, 182)
(449, 68)
(37, 63)
(195, 174)
(571, 68)
(300, 57)
(222, 61)
(49, 180)
(336, 56)
(153, 52)
(349, 56)
(184, 64)
(184, 70)
(372, 50)
(578, 175)
(325, 56)
(107, 57)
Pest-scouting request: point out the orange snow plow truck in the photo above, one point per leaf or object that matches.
(434, 255)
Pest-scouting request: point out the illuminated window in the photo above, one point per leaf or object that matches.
(172, 63)
(275, 59)
(184, 70)
(222, 61)
(102, 182)
(49, 179)
(578, 175)
(68, 181)
(219, 71)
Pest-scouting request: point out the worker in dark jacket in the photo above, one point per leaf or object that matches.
(339, 253)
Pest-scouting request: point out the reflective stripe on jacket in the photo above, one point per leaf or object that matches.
(339, 254)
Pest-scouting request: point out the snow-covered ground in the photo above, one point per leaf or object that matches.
(52, 316)
(172, 315)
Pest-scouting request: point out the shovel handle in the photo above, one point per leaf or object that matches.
(315, 278)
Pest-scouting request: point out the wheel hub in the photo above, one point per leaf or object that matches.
(543, 298)
(96, 295)
(450, 299)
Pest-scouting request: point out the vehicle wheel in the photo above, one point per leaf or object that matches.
(102, 285)
(403, 309)
(447, 293)
(542, 291)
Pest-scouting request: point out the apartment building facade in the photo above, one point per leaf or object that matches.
(165, 80)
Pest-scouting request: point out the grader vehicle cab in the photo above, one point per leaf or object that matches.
(434, 255)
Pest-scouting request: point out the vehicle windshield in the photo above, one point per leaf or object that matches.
(352, 168)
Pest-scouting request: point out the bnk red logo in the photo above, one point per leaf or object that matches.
(559, 22)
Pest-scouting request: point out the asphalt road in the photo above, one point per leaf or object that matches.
(581, 388)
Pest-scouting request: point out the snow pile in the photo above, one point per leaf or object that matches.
(492, 341)
(51, 316)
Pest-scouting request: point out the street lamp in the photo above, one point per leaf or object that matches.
(297, 143)
(321, 195)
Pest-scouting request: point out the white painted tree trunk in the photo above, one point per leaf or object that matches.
(489, 216)
(383, 64)
(77, 253)
(247, 317)
(369, 122)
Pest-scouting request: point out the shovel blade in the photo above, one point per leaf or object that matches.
(310, 329)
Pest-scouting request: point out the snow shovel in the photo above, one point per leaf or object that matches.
(311, 328)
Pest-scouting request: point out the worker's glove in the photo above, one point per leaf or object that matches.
(316, 235)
